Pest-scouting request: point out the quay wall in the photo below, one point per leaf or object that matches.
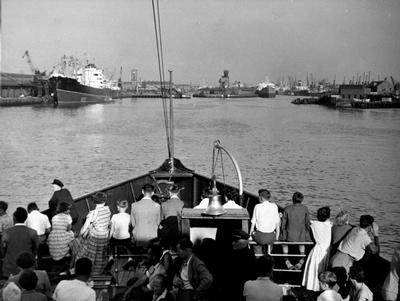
(22, 101)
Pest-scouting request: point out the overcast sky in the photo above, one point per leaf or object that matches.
(201, 38)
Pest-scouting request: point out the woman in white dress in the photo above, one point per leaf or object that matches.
(318, 258)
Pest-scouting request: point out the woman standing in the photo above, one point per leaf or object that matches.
(340, 229)
(61, 234)
(318, 258)
(93, 240)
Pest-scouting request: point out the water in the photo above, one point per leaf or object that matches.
(346, 159)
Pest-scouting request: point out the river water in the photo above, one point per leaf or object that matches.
(345, 159)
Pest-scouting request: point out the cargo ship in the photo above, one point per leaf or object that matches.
(266, 90)
(86, 85)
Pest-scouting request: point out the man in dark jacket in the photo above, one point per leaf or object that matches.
(192, 278)
(16, 240)
(61, 194)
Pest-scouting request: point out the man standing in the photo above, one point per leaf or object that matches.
(61, 194)
(171, 211)
(193, 278)
(38, 222)
(265, 222)
(76, 289)
(16, 240)
(146, 217)
(263, 288)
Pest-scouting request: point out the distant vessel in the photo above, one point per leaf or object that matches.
(266, 89)
(82, 85)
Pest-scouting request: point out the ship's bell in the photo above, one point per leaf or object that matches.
(214, 206)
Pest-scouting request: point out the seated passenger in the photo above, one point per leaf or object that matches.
(205, 199)
(11, 292)
(28, 281)
(38, 221)
(359, 291)
(230, 198)
(295, 227)
(390, 288)
(327, 280)
(265, 221)
(61, 235)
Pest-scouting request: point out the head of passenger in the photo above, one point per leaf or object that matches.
(206, 193)
(297, 197)
(327, 280)
(366, 221)
(174, 190)
(100, 198)
(32, 206)
(11, 292)
(323, 214)
(265, 266)
(57, 185)
(342, 218)
(63, 207)
(28, 280)
(153, 254)
(148, 190)
(357, 274)
(122, 206)
(264, 195)
(3, 207)
(20, 215)
(184, 248)
(83, 268)
(25, 261)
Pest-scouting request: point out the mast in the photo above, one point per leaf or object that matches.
(171, 121)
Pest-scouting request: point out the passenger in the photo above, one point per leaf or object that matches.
(240, 266)
(160, 289)
(15, 240)
(318, 259)
(120, 227)
(193, 280)
(38, 222)
(359, 291)
(95, 244)
(171, 212)
(76, 289)
(390, 288)
(26, 262)
(145, 217)
(205, 199)
(11, 292)
(6, 221)
(295, 227)
(343, 284)
(62, 194)
(230, 200)
(327, 280)
(61, 235)
(354, 245)
(265, 221)
(144, 274)
(340, 229)
(28, 281)
(263, 288)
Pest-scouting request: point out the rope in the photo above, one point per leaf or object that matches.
(157, 30)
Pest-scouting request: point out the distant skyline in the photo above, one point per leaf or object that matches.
(250, 38)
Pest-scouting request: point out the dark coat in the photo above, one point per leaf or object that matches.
(62, 195)
(14, 241)
(295, 223)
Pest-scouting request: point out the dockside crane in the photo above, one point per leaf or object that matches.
(34, 70)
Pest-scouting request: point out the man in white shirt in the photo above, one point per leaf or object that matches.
(265, 222)
(38, 221)
(76, 289)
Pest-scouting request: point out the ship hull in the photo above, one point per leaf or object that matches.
(267, 92)
(73, 97)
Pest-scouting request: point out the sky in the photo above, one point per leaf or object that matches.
(253, 39)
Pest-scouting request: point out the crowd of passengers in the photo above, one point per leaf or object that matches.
(224, 268)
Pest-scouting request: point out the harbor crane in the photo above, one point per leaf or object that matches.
(34, 70)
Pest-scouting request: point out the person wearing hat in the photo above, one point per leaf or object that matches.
(94, 235)
(61, 194)
(240, 266)
(265, 221)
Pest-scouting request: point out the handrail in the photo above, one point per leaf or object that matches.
(217, 144)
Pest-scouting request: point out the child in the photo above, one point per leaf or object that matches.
(295, 227)
(327, 280)
(359, 291)
(28, 281)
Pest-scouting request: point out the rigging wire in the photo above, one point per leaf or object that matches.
(157, 29)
